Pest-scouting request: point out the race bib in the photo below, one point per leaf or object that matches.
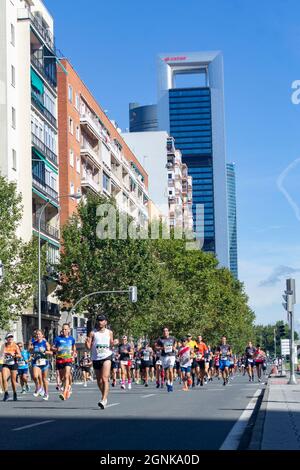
(159, 363)
(9, 361)
(41, 362)
(146, 356)
(250, 360)
(102, 350)
(168, 349)
(21, 363)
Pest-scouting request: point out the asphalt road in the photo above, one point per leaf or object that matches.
(139, 419)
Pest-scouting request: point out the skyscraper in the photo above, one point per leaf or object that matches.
(191, 109)
(232, 223)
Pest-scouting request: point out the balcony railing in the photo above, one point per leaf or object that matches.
(86, 148)
(24, 14)
(44, 187)
(45, 228)
(87, 180)
(39, 145)
(39, 66)
(40, 107)
(86, 118)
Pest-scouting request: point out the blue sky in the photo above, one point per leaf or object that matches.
(113, 46)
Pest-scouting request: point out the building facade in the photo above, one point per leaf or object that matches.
(93, 155)
(169, 183)
(194, 115)
(142, 118)
(29, 142)
(232, 219)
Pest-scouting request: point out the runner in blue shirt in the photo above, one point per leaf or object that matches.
(23, 365)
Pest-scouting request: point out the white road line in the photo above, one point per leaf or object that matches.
(112, 404)
(33, 425)
(147, 396)
(233, 439)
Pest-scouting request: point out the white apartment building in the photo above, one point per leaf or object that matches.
(28, 132)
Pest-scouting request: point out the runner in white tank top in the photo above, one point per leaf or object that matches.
(100, 342)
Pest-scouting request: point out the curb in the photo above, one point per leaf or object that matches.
(252, 437)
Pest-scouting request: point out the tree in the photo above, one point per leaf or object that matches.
(19, 258)
(264, 335)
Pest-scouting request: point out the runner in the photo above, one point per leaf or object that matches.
(100, 341)
(40, 349)
(259, 358)
(224, 351)
(249, 353)
(115, 363)
(159, 371)
(23, 364)
(185, 364)
(125, 351)
(65, 349)
(201, 350)
(10, 353)
(85, 365)
(167, 345)
(192, 344)
(146, 354)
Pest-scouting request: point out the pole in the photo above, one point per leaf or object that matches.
(292, 380)
(275, 342)
(39, 268)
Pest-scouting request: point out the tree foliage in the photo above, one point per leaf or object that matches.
(183, 289)
(19, 258)
(264, 335)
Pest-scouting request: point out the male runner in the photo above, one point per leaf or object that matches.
(249, 353)
(167, 345)
(101, 341)
(224, 351)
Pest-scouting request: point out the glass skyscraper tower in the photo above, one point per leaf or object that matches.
(232, 224)
(194, 115)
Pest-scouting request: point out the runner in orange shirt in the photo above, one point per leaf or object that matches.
(201, 349)
(10, 352)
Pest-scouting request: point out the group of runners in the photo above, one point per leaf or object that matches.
(191, 362)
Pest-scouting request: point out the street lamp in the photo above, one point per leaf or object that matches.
(1, 271)
(75, 196)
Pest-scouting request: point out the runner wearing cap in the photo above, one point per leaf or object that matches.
(100, 341)
(10, 353)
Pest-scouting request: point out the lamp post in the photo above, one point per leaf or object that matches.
(1, 272)
(42, 210)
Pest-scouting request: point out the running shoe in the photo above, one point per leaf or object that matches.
(27, 388)
(41, 392)
(85, 384)
(62, 396)
(46, 397)
(15, 397)
(102, 404)
(6, 396)
(157, 384)
(168, 387)
(129, 386)
(146, 385)
(123, 386)
(171, 388)
(23, 392)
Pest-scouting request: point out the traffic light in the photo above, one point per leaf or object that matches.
(288, 301)
(281, 330)
(133, 294)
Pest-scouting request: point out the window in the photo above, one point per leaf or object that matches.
(72, 158)
(77, 101)
(12, 34)
(78, 134)
(72, 188)
(13, 117)
(13, 76)
(78, 164)
(70, 93)
(71, 126)
(105, 182)
(14, 159)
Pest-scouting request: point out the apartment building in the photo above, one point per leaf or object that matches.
(93, 155)
(28, 140)
(169, 184)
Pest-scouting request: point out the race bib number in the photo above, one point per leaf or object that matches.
(198, 357)
(41, 362)
(168, 349)
(159, 363)
(21, 363)
(102, 350)
(9, 361)
(146, 356)
(250, 360)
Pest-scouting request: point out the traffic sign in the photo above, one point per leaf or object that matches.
(285, 347)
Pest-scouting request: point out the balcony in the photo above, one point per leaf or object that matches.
(48, 308)
(91, 126)
(41, 69)
(39, 145)
(87, 181)
(44, 187)
(88, 151)
(47, 229)
(44, 33)
(41, 108)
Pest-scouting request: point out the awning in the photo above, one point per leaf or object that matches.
(36, 82)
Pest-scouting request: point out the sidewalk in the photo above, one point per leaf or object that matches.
(278, 422)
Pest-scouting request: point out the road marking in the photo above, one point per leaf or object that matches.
(233, 439)
(147, 396)
(33, 425)
(112, 404)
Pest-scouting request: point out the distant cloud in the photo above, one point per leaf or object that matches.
(277, 275)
